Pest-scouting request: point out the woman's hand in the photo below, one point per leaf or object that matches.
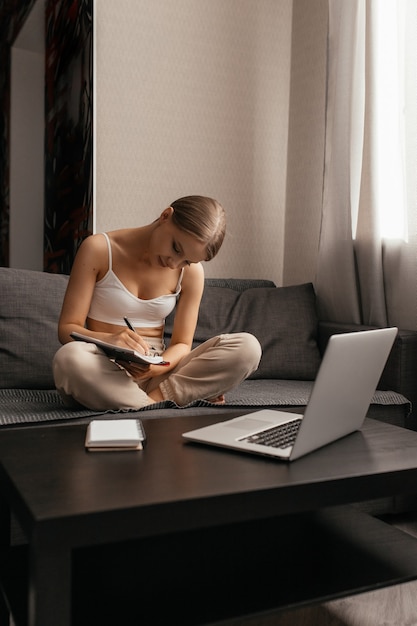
(141, 372)
(138, 371)
(135, 370)
(127, 338)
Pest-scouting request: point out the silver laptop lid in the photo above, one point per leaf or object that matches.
(346, 381)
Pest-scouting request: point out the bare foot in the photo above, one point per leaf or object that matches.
(218, 400)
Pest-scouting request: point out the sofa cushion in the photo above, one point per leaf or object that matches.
(283, 319)
(239, 284)
(29, 310)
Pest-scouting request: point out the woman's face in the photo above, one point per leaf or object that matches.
(174, 248)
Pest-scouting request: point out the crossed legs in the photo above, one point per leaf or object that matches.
(84, 375)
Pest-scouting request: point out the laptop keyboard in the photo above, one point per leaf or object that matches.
(281, 436)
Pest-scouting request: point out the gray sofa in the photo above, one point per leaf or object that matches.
(283, 319)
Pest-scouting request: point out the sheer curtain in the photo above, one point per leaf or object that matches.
(363, 275)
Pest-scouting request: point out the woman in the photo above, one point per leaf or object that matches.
(141, 273)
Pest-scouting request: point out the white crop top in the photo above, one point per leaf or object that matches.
(111, 302)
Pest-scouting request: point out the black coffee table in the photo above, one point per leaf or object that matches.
(198, 532)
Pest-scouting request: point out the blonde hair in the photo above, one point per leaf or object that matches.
(202, 217)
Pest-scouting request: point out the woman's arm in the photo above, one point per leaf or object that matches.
(90, 265)
(85, 270)
(186, 314)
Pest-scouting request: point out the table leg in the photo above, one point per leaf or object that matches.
(4, 558)
(49, 581)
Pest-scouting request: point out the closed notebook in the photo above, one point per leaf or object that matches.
(124, 434)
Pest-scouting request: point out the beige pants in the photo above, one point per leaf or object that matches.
(84, 375)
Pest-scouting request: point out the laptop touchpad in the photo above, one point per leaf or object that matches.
(247, 424)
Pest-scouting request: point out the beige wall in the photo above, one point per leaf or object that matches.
(192, 96)
(305, 140)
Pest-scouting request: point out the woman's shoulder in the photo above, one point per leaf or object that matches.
(93, 253)
(100, 241)
(92, 242)
(193, 277)
(125, 234)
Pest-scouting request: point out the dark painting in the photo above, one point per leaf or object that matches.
(68, 126)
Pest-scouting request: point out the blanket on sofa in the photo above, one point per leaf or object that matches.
(35, 406)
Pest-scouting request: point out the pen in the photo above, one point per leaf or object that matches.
(128, 324)
(131, 327)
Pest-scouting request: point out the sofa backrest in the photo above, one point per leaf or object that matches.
(284, 320)
(30, 304)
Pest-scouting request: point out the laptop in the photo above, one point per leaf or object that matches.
(342, 392)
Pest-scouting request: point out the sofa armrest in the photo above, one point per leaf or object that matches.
(400, 372)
